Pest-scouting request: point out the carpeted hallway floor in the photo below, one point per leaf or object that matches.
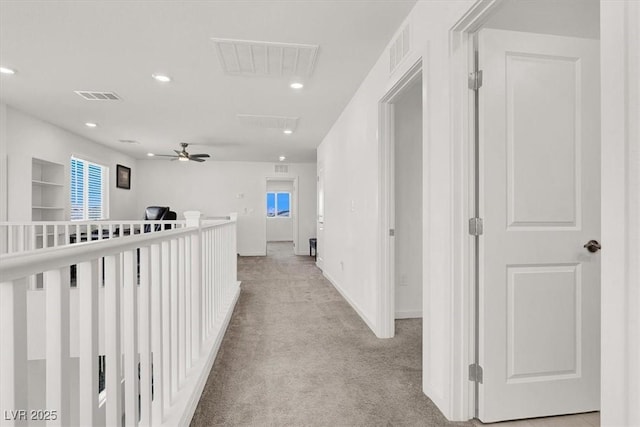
(296, 354)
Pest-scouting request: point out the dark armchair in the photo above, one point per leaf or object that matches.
(158, 213)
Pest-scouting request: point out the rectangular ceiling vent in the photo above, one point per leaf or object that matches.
(281, 169)
(98, 96)
(269, 122)
(400, 48)
(254, 58)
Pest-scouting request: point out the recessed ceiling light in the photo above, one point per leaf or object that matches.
(288, 131)
(282, 158)
(161, 78)
(5, 70)
(91, 125)
(296, 85)
(150, 154)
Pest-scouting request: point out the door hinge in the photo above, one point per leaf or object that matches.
(475, 226)
(392, 232)
(475, 80)
(475, 373)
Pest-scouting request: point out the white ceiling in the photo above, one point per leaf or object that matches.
(58, 47)
(572, 18)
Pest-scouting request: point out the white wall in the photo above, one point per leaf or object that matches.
(349, 154)
(218, 188)
(28, 137)
(3, 163)
(408, 203)
(620, 68)
(280, 229)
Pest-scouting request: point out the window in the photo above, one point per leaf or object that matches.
(278, 204)
(88, 189)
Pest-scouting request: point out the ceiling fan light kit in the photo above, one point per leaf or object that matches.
(183, 155)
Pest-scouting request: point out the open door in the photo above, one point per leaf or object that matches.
(539, 198)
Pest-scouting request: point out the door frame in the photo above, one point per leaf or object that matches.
(386, 173)
(294, 209)
(463, 129)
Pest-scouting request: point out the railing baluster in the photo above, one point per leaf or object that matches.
(113, 336)
(130, 339)
(181, 315)
(166, 322)
(88, 329)
(144, 338)
(57, 346)
(218, 280)
(196, 295)
(205, 289)
(13, 357)
(32, 237)
(10, 239)
(157, 341)
(22, 239)
(210, 278)
(45, 236)
(174, 318)
(188, 283)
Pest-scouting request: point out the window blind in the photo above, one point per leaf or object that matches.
(87, 190)
(77, 189)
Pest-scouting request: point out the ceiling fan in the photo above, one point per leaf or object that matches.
(184, 156)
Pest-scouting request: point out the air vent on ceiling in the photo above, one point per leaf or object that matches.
(98, 96)
(400, 47)
(281, 169)
(254, 58)
(269, 122)
(128, 141)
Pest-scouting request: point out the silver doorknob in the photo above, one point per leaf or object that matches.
(593, 246)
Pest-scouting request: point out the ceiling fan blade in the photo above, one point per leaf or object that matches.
(178, 152)
(199, 155)
(165, 155)
(196, 159)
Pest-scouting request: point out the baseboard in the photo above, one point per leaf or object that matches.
(190, 403)
(350, 301)
(409, 314)
(256, 253)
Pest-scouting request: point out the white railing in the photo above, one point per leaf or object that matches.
(154, 320)
(26, 236)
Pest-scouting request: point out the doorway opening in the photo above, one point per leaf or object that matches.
(534, 145)
(401, 160)
(281, 216)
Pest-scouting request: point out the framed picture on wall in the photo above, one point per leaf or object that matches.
(123, 177)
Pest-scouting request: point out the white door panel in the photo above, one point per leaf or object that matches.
(539, 174)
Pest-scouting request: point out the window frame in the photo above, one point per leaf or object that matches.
(104, 181)
(276, 214)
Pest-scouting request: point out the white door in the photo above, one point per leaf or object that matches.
(539, 329)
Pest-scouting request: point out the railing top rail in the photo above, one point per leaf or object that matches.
(110, 222)
(17, 265)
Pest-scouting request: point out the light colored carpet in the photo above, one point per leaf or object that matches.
(296, 354)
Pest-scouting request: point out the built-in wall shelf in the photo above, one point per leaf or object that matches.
(47, 191)
(45, 183)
